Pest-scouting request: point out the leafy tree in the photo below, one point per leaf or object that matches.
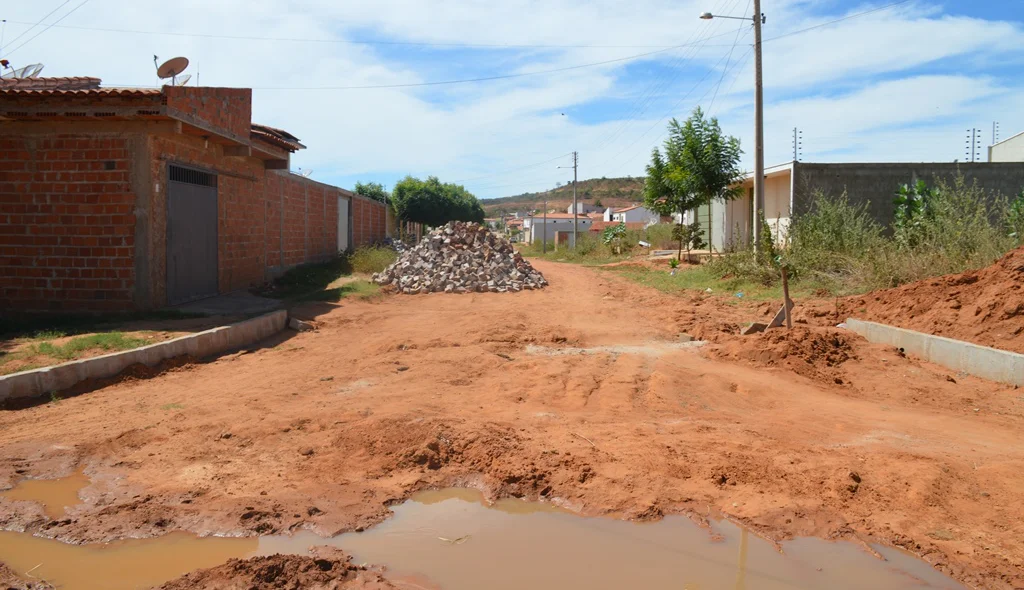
(598, 203)
(700, 165)
(612, 236)
(373, 190)
(690, 235)
(434, 203)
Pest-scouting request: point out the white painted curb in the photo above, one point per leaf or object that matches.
(981, 361)
(201, 344)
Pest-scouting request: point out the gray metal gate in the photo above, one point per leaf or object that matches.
(191, 234)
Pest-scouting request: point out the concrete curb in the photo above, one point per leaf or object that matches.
(201, 344)
(980, 361)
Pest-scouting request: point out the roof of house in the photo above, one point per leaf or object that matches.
(581, 217)
(80, 89)
(276, 137)
(1012, 137)
(624, 209)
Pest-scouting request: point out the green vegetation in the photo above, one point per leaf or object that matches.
(700, 278)
(700, 165)
(837, 247)
(373, 190)
(434, 203)
(313, 282)
(368, 260)
(72, 349)
(605, 192)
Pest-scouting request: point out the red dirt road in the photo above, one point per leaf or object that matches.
(816, 433)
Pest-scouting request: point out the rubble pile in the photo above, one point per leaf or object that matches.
(461, 258)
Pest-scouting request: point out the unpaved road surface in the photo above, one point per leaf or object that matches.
(578, 394)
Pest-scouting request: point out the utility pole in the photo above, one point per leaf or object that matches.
(759, 20)
(575, 213)
(798, 144)
(995, 132)
(758, 127)
(544, 232)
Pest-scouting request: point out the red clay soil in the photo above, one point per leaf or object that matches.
(983, 306)
(330, 569)
(324, 430)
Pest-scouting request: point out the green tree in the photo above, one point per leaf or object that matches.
(434, 203)
(373, 190)
(700, 165)
(598, 203)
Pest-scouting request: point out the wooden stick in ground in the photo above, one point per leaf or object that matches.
(785, 299)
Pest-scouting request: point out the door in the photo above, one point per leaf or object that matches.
(342, 224)
(191, 234)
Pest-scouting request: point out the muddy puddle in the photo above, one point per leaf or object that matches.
(56, 495)
(452, 540)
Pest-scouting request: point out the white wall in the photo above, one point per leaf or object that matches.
(1010, 150)
(536, 230)
(638, 215)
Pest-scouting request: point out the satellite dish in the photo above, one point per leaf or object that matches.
(171, 68)
(305, 173)
(19, 73)
(32, 71)
(184, 80)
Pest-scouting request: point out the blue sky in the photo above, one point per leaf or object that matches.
(899, 84)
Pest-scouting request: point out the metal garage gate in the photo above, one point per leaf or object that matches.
(191, 234)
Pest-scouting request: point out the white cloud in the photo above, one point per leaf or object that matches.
(848, 85)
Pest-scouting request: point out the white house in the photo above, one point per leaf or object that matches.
(583, 208)
(1008, 150)
(635, 214)
(556, 229)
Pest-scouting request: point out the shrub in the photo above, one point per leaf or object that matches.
(371, 259)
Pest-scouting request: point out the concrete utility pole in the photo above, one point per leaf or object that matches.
(798, 144)
(758, 128)
(544, 232)
(575, 213)
(758, 19)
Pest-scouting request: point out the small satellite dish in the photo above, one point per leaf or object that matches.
(33, 70)
(171, 68)
(184, 80)
(305, 173)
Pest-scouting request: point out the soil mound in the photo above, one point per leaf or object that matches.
(461, 258)
(330, 569)
(983, 306)
(811, 352)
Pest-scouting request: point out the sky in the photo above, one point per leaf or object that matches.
(899, 83)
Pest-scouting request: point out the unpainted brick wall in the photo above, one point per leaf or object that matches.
(67, 226)
(228, 109)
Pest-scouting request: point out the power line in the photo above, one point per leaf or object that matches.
(726, 68)
(501, 172)
(358, 42)
(48, 27)
(832, 22)
(459, 81)
(653, 90)
(34, 25)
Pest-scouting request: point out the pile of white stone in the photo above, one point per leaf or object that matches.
(461, 258)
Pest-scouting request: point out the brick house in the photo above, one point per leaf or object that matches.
(117, 199)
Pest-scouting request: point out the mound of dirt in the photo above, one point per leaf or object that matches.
(812, 352)
(329, 569)
(983, 306)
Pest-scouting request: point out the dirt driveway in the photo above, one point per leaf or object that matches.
(580, 394)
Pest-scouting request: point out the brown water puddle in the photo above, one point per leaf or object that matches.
(56, 495)
(451, 539)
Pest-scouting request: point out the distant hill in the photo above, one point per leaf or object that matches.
(611, 192)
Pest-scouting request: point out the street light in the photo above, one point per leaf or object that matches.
(758, 20)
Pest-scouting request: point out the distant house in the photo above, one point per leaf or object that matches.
(633, 214)
(554, 228)
(583, 208)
